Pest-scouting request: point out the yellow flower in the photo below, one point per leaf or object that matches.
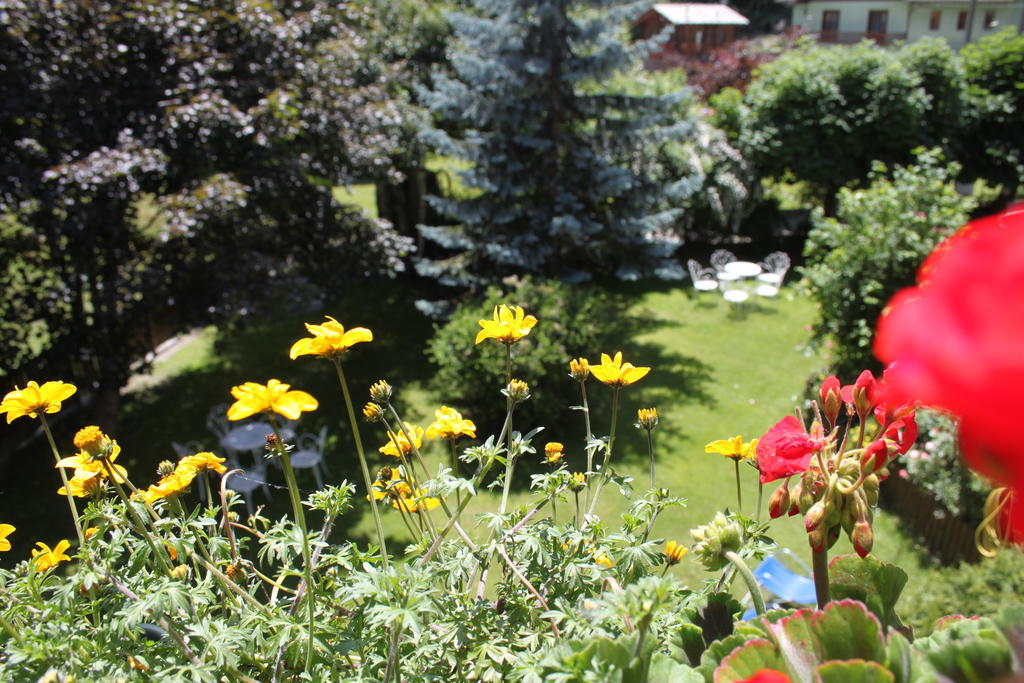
(171, 484)
(603, 560)
(413, 503)
(733, 448)
(252, 398)
(578, 481)
(34, 399)
(417, 439)
(5, 531)
(553, 452)
(647, 417)
(329, 340)
(91, 439)
(88, 465)
(614, 371)
(389, 484)
(91, 531)
(674, 552)
(449, 424)
(579, 369)
(82, 486)
(508, 325)
(202, 462)
(45, 558)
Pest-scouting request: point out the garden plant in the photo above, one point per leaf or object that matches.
(157, 584)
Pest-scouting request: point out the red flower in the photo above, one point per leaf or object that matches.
(785, 450)
(956, 342)
(831, 398)
(861, 393)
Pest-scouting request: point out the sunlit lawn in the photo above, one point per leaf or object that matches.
(717, 372)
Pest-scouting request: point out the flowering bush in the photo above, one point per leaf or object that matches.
(158, 585)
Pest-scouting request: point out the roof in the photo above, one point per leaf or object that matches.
(703, 13)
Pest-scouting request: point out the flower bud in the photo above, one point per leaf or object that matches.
(876, 454)
(381, 391)
(165, 467)
(863, 538)
(234, 572)
(373, 412)
(578, 481)
(816, 539)
(864, 394)
(831, 401)
(779, 503)
(870, 489)
(647, 418)
(517, 390)
(91, 440)
(180, 572)
(553, 452)
(815, 516)
(831, 537)
(579, 369)
(674, 552)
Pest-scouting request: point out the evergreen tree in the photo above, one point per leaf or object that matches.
(556, 178)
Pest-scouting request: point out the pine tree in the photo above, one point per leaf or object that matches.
(557, 181)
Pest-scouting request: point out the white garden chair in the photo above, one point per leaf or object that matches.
(310, 454)
(775, 267)
(703, 278)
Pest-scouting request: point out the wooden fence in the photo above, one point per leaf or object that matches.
(946, 537)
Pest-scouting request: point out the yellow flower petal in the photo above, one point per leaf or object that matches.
(35, 399)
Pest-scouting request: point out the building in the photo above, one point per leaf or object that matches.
(886, 21)
(697, 28)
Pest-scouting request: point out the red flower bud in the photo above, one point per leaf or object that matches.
(778, 504)
(831, 399)
(815, 516)
(863, 538)
(876, 454)
(864, 394)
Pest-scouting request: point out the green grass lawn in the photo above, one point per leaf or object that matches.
(716, 372)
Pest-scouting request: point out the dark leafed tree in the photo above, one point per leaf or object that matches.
(555, 178)
(170, 160)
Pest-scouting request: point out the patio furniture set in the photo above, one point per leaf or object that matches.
(739, 280)
(242, 444)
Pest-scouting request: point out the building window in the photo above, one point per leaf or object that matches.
(961, 21)
(878, 21)
(990, 20)
(934, 20)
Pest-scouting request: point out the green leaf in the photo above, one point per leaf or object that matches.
(720, 649)
(854, 671)
(691, 641)
(967, 650)
(664, 668)
(875, 583)
(747, 660)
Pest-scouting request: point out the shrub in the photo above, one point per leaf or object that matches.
(934, 464)
(573, 321)
(883, 232)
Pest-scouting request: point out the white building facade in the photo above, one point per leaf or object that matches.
(887, 21)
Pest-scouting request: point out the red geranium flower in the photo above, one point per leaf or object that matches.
(956, 342)
(786, 449)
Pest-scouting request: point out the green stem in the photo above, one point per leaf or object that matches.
(156, 549)
(589, 438)
(63, 478)
(607, 452)
(760, 498)
(650, 454)
(819, 563)
(362, 461)
(300, 519)
(739, 491)
(748, 577)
